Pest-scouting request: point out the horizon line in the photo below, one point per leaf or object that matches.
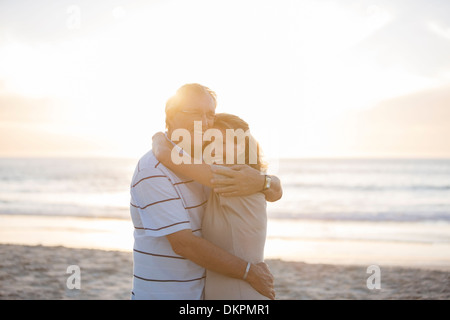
(344, 157)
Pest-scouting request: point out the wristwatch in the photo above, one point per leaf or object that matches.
(267, 182)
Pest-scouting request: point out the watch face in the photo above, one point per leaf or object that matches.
(268, 180)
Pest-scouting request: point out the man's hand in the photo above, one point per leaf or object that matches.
(261, 279)
(242, 180)
(212, 257)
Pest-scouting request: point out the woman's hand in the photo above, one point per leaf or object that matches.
(242, 180)
(237, 180)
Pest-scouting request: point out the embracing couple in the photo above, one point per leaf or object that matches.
(200, 228)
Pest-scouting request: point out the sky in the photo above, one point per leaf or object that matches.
(313, 78)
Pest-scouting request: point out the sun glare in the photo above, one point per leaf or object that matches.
(301, 70)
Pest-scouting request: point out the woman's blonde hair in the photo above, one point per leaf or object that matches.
(230, 121)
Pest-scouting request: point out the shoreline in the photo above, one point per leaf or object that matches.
(316, 242)
(40, 273)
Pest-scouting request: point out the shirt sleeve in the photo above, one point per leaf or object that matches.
(158, 205)
(206, 191)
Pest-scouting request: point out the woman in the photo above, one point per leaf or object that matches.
(236, 224)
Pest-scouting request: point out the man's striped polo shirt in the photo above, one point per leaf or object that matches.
(163, 203)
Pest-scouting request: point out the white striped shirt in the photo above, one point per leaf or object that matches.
(163, 203)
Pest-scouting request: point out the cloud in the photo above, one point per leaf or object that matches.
(440, 29)
(22, 140)
(27, 128)
(413, 125)
(15, 108)
(415, 40)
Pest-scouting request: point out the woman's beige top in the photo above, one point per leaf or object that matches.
(238, 225)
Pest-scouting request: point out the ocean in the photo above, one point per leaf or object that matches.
(314, 189)
(339, 211)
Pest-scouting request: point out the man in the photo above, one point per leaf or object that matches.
(169, 254)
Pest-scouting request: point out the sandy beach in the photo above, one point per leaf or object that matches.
(328, 260)
(40, 272)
